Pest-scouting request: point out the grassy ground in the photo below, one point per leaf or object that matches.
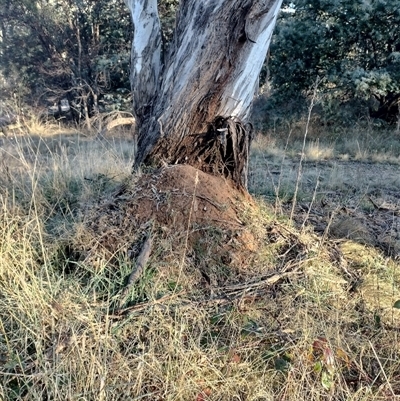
(326, 331)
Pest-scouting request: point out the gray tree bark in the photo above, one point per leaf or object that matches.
(194, 108)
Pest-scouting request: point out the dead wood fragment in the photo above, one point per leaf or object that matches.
(385, 206)
(140, 265)
(117, 122)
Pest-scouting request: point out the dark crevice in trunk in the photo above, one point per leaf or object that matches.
(222, 151)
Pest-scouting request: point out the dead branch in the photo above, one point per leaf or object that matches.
(225, 295)
(384, 206)
(117, 122)
(140, 265)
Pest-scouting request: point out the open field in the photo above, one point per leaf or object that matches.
(340, 194)
(267, 309)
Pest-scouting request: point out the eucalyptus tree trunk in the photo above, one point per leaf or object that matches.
(193, 107)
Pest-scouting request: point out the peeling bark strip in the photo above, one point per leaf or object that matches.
(145, 55)
(211, 72)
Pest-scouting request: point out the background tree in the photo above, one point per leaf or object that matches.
(79, 49)
(75, 49)
(354, 46)
(190, 108)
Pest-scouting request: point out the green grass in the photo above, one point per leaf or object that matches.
(316, 335)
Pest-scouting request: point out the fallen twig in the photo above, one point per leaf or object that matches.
(120, 313)
(140, 265)
(246, 287)
(226, 295)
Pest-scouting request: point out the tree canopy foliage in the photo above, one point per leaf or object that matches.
(353, 47)
(75, 49)
(78, 49)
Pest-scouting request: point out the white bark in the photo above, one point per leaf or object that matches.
(243, 83)
(207, 55)
(145, 55)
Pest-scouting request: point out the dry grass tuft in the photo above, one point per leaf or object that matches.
(315, 151)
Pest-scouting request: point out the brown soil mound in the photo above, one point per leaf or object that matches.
(186, 205)
(181, 195)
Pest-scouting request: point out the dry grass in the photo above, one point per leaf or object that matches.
(327, 333)
(314, 151)
(345, 163)
(363, 142)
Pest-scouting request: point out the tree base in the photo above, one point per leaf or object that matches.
(221, 151)
(193, 211)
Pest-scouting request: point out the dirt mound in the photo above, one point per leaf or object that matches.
(186, 205)
(180, 195)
